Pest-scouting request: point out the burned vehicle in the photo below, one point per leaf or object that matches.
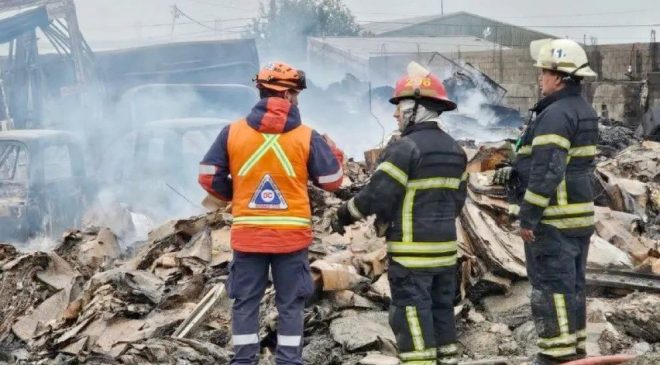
(153, 170)
(43, 183)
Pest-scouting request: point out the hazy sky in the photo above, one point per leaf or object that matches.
(609, 21)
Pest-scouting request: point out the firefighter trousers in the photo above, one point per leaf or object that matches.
(422, 314)
(556, 267)
(248, 278)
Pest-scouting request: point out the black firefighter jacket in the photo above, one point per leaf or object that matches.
(419, 188)
(555, 163)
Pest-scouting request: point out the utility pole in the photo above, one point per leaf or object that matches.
(175, 14)
(442, 7)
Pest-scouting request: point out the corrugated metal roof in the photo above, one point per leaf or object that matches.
(365, 47)
(383, 27)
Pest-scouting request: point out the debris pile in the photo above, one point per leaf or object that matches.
(87, 302)
(614, 136)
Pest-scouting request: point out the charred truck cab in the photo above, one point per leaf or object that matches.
(42, 183)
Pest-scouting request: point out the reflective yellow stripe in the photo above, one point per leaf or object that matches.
(418, 355)
(415, 328)
(559, 341)
(581, 339)
(568, 223)
(559, 351)
(465, 176)
(562, 194)
(407, 215)
(425, 262)
(448, 349)
(409, 199)
(584, 151)
(562, 314)
(273, 220)
(355, 212)
(564, 344)
(421, 247)
(269, 143)
(525, 150)
(514, 209)
(577, 208)
(536, 199)
(551, 139)
(447, 355)
(395, 172)
(435, 183)
(281, 155)
(258, 154)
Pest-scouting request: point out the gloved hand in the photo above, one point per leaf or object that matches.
(503, 175)
(341, 219)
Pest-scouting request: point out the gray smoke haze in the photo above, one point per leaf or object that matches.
(143, 170)
(109, 21)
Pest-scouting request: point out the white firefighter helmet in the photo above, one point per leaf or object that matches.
(563, 55)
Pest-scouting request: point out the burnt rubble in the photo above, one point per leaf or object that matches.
(89, 302)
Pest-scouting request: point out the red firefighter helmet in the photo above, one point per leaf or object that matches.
(279, 76)
(420, 84)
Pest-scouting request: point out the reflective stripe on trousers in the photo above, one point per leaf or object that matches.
(556, 267)
(248, 278)
(422, 314)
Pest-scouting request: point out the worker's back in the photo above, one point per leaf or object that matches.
(262, 164)
(269, 174)
(434, 195)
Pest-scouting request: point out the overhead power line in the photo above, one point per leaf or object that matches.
(514, 25)
(219, 5)
(179, 12)
(156, 25)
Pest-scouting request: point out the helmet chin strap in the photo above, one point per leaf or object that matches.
(570, 77)
(413, 116)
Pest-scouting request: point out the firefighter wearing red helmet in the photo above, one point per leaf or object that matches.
(418, 189)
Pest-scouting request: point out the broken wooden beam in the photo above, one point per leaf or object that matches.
(201, 311)
(624, 279)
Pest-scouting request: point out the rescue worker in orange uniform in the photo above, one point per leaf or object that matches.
(419, 188)
(262, 164)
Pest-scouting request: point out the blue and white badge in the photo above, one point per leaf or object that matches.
(268, 196)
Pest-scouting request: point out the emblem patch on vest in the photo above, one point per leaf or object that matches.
(267, 196)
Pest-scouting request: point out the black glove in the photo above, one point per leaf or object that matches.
(341, 219)
(503, 175)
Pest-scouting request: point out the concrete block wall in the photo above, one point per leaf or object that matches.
(521, 96)
(622, 99)
(610, 61)
(622, 95)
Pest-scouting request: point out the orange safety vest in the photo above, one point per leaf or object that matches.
(270, 204)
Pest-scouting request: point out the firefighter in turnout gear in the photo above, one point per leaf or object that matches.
(418, 188)
(550, 189)
(262, 164)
